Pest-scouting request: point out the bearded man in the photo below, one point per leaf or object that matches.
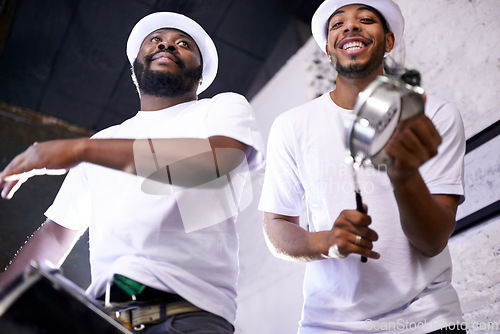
(167, 226)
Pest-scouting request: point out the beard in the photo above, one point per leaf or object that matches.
(166, 84)
(356, 70)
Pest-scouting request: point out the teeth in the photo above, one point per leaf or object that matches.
(353, 46)
(160, 57)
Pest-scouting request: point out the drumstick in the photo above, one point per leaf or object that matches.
(357, 191)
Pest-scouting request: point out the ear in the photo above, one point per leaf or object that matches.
(389, 41)
(327, 53)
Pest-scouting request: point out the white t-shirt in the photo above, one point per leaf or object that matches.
(142, 235)
(306, 164)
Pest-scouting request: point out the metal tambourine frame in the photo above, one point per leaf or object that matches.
(377, 110)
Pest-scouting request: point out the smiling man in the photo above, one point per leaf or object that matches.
(409, 212)
(163, 242)
(157, 56)
(354, 45)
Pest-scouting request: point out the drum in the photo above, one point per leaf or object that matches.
(42, 300)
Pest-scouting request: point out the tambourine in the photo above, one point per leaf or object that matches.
(377, 110)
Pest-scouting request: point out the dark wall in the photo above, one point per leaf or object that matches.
(24, 213)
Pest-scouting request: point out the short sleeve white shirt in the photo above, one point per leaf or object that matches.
(142, 235)
(306, 168)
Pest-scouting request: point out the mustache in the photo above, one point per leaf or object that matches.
(180, 62)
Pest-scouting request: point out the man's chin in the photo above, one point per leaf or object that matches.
(356, 69)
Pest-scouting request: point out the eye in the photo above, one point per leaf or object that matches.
(183, 44)
(335, 25)
(367, 20)
(155, 39)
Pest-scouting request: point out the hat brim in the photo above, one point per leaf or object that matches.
(387, 8)
(160, 20)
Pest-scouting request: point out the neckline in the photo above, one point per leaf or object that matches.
(167, 113)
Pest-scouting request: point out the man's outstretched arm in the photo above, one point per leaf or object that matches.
(50, 242)
(190, 161)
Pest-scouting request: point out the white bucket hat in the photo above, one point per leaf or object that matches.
(160, 20)
(387, 8)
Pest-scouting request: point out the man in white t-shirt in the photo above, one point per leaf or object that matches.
(162, 228)
(405, 286)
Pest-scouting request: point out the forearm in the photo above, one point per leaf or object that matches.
(189, 161)
(137, 155)
(113, 153)
(185, 162)
(50, 242)
(291, 242)
(427, 220)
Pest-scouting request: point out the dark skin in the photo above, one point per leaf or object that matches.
(184, 48)
(426, 219)
(52, 241)
(119, 153)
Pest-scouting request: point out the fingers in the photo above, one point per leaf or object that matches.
(419, 134)
(11, 183)
(414, 141)
(365, 210)
(355, 244)
(365, 247)
(351, 234)
(12, 178)
(14, 167)
(352, 243)
(20, 169)
(10, 188)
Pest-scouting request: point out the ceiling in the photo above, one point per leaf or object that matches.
(66, 58)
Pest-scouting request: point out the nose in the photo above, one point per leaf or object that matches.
(351, 25)
(170, 47)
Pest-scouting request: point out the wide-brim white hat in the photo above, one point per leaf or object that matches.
(160, 20)
(387, 8)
